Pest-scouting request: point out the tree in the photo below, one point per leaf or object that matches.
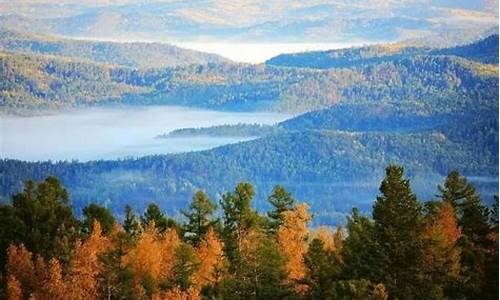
(93, 213)
(281, 201)
(473, 219)
(14, 290)
(20, 266)
(116, 280)
(361, 252)
(441, 259)
(54, 285)
(86, 268)
(185, 265)
(41, 218)
(261, 272)
(154, 214)
(322, 269)
(131, 224)
(292, 241)
(239, 218)
(198, 218)
(398, 231)
(210, 254)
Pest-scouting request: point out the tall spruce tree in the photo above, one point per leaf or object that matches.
(199, 218)
(475, 241)
(281, 200)
(398, 232)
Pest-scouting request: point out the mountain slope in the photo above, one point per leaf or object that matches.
(137, 55)
(484, 51)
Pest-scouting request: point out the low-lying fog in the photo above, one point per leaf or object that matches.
(110, 133)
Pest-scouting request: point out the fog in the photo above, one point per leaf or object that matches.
(259, 52)
(110, 133)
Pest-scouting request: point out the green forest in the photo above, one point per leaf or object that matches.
(35, 79)
(446, 248)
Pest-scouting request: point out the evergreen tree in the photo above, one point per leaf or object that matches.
(94, 212)
(198, 218)
(361, 253)
(323, 268)
(131, 223)
(41, 218)
(154, 214)
(281, 201)
(398, 232)
(239, 218)
(475, 243)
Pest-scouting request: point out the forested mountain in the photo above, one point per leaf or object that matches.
(137, 55)
(329, 169)
(485, 51)
(432, 81)
(432, 113)
(33, 83)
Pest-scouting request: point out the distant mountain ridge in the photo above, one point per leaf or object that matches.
(53, 81)
(136, 55)
(484, 51)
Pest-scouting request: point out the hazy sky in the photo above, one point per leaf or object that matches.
(250, 21)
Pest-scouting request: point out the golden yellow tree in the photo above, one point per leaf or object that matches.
(441, 255)
(178, 294)
(54, 286)
(292, 241)
(86, 267)
(20, 266)
(169, 243)
(14, 289)
(210, 253)
(145, 257)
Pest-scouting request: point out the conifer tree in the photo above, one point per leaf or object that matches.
(398, 231)
(198, 218)
(96, 213)
(239, 218)
(281, 201)
(131, 224)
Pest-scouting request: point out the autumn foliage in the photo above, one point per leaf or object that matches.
(445, 249)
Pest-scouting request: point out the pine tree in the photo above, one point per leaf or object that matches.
(131, 224)
(239, 218)
(96, 213)
(398, 231)
(154, 214)
(198, 218)
(473, 219)
(281, 201)
(361, 253)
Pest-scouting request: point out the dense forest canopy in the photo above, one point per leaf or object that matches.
(34, 80)
(407, 249)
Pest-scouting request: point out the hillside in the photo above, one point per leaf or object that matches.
(484, 51)
(431, 81)
(137, 55)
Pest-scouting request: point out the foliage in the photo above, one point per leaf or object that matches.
(444, 251)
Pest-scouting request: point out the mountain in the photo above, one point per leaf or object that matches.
(484, 51)
(137, 55)
(427, 80)
(259, 21)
